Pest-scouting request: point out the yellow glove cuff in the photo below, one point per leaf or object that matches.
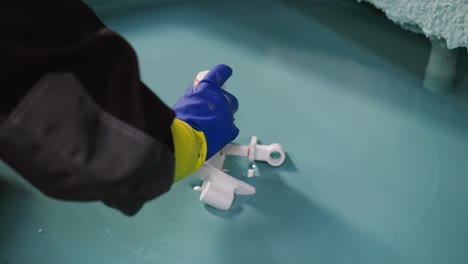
(189, 147)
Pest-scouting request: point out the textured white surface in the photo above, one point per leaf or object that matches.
(441, 19)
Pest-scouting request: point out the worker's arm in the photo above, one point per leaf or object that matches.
(75, 119)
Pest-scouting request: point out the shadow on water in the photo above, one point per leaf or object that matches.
(292, 228)
(236, 166)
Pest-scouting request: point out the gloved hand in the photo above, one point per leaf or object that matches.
(204, 122)
(209, 109)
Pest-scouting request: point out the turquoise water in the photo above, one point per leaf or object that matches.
(376, 171)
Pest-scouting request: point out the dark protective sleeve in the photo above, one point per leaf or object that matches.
(75, 119)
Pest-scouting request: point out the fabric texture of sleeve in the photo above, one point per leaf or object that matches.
(76, 121)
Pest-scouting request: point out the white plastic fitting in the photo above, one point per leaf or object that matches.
(272, 154)
(218, 188)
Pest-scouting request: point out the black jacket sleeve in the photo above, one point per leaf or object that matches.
(75, 119)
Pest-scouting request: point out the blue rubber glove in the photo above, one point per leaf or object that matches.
(210, 109)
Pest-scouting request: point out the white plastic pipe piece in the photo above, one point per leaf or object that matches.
(236, 150)
(216, 196)
(218, 188)
(441, 68)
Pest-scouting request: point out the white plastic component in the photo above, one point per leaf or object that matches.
(252, 148)
(217, 160)
(441, 68)
(218, 188)
(235, 150)
(273, 154)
